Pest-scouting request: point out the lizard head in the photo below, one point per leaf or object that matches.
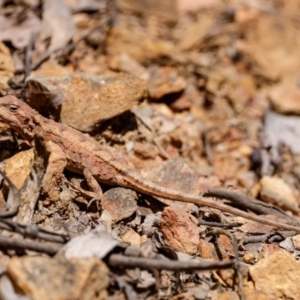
(18, 115)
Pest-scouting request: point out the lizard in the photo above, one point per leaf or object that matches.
(84, 153)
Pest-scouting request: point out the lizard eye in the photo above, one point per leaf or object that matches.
(13, 109)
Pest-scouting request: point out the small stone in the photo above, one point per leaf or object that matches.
(225, 242)
(296, 241)
(277, 274)
(164, 81)
(180, 230)
(150, 224)
(177, 175)
(285, 98)
(18, 167)
(249, 258)
(132, 238)
(276, 191)
(7, 66)
(59, 278)
(207, 250)
(120, 203)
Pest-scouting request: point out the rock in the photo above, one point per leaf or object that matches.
(18, 167)
(59, 278)
(6, 66)
(296, 241)
(125, 63)
(249, 258)
(276, 191)
(164, 81)
(207, 250)
(94, 98)
(120, 203)
(150, 224)
(277, 275)
(165, 9)
(136, 44)
(132, 238)
(257, 228)
(177, 175)
(180, 230)
(285, 98)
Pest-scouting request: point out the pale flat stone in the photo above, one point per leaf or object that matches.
(276, 191)
(277, 275)
(59, 278)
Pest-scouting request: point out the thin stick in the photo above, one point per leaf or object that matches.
(119, 260)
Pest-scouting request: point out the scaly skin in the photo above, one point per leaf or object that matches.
(84, 152)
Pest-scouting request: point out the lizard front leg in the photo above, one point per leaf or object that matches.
(54, 172)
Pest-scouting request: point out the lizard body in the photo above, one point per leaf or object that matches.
(84, 153)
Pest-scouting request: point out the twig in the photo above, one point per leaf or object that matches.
(19, 244)
(216, 224)
(119, 260)
(69, 47)
(33, 231)
(236, 254)
(249, 202)
(270, 237)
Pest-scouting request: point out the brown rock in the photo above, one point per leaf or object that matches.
(276, 191)
(132, 238)
(277, 275)
(285, 98)
(136, 44)
(119, 202)
(164, 81)
(180, 230)
(268, 43)
(225, 242)
(59, 278)
(177, 175)
(94, 98)
(125, 63)
(6, 66)
(165, 8)
(257, 228)
(207, 250)
(296, 241)
(18, 167)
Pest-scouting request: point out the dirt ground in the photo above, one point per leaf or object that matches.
(202, 97)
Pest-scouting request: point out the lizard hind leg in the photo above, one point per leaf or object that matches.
(92, 182)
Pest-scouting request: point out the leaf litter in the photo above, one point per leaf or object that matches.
(201, 96)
